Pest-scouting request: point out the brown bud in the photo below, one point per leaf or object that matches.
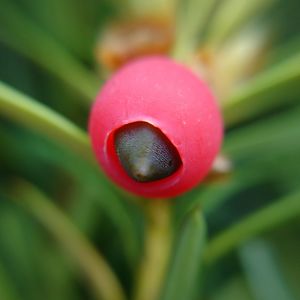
(127, 40)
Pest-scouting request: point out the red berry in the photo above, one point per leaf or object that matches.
(155, 128)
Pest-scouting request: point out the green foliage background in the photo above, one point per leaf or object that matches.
(62, 223)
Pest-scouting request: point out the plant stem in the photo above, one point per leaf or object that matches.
(101, 278)
(259, 222)
(156, 253)
(30, 113)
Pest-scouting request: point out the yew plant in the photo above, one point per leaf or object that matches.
(78, 217)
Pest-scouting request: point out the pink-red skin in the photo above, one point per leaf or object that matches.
(170, 97)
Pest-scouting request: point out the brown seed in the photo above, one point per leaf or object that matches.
(145, 152)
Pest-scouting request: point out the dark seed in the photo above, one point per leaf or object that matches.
(145, 152)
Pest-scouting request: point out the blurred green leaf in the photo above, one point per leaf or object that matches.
(185, 264)
(24, 36)
(286, 248)
(255, 150)
(35, 268)
(233, 289)
(17, 239)
(262, 271)
(70, 26)
(192, 16)
(152, 8)
(34, 115)
(273, 215)
(102, 280)
(88, 195)
(229, 16)
(281, 52)
(276, 133)
(6, 287)
(268, 90)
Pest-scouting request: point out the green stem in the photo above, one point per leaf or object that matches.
(156, 253)
(32, 114)
(101, 278)
(29, 39)
(272, 88)
(266, 219)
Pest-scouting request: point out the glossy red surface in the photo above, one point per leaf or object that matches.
(170, 97)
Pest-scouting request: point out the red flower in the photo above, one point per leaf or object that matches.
(156, 128)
